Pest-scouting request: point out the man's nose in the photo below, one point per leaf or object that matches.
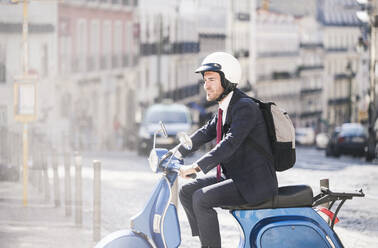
(206, 85)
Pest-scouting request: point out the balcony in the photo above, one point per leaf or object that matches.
(309, 91)
(183, 92)
(339, 101)
(309, 67)
(315, 113)
(147, 49)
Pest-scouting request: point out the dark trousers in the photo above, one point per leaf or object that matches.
(198, 199)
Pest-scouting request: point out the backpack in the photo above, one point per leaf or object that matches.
(281, 134)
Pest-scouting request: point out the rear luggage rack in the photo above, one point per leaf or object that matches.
(327, 196)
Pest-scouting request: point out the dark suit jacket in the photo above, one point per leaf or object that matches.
(253, 174)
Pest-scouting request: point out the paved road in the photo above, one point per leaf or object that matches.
(127, 183)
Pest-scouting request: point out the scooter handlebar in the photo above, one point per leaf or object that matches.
(193, 175)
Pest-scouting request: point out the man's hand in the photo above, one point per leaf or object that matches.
(187, 170)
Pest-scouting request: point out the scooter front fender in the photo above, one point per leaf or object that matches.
(123, 238)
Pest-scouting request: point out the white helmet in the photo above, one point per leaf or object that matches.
(222, 62)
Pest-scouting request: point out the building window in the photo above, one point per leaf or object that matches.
(117, 44)
(45, 61)
(81, 47)
(94, 46)
(3, 115)
(106, 43)
(128, 43)
(2, 72)
(3, 68)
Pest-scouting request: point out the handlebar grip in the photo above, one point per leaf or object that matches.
(193, 175)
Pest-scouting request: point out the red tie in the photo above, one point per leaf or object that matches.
(219, 138)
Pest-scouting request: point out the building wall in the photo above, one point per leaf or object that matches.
(170, 47)
(98, 51)
(340, 46)
(277, 51)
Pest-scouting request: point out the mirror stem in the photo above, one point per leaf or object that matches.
(154, 140)
(173, 153)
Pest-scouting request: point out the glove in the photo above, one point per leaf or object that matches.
(189, 171)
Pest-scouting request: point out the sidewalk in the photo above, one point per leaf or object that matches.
(40, 224)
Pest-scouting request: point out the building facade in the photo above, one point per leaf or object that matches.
(311, 73)
(277, 61)
(41, 56)
(340, 37)
(169, 52)
(98, 51)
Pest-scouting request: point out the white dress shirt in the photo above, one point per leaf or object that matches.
(224, 106)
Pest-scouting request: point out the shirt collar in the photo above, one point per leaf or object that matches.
(226, 101)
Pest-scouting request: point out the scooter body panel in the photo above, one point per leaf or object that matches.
(284, 227)
(171, 228)
(158, 220)
(123, 238)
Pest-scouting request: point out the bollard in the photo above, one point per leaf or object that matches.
(78, 189)
(19, 155)
(96, 200)
(40, 168)
(56, 179)
(45, 174)
(67, 183)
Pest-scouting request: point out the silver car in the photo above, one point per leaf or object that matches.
(176, 118)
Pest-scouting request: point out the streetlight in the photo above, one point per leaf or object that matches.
(369, 16)
(350, 76)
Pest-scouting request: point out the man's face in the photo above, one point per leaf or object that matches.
(212, 85)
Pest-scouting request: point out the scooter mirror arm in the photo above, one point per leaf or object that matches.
(173, 153)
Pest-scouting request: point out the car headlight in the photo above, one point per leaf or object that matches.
(143, 133)
(153, 160)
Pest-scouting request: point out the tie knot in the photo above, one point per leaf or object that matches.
(220, 111)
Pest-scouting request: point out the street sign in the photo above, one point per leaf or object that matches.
(25, 107)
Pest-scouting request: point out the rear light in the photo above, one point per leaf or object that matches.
(340, 140)
(327, 215)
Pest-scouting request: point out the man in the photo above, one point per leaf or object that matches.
(248, 176)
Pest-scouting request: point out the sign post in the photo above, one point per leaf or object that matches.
(25, 109)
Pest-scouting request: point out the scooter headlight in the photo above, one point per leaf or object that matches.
(153, 160)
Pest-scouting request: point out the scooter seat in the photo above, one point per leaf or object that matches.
(287, 197)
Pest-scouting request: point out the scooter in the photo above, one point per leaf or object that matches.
(291, 219)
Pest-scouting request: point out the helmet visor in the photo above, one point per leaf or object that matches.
(209, 67)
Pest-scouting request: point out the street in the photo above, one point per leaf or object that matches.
(127, 183)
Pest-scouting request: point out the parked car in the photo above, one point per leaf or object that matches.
(304, 136)
(350, 138)
(321, 141)
(176, 118)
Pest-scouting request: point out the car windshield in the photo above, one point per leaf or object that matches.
(353, 130)
(166, 117)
